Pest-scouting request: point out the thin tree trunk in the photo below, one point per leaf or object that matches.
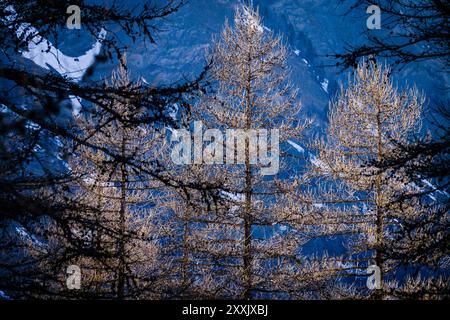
(185, 263)
(248, 195)
(379, 211)
(121, 276)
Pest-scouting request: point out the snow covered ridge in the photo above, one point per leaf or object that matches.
(43, 53)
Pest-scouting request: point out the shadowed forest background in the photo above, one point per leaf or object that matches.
(90, 117)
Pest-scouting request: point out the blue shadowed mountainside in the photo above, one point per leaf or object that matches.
(88, 141)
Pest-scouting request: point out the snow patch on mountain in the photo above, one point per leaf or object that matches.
(4, 296)
(324, 85)
(43, 53)
(296, 146)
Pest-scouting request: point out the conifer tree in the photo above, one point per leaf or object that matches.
(121, 199)
(241, 239)
(365, 123)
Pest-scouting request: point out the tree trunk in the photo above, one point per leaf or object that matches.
(248, 194)
(121, 253)
(379, 211)
(185, 263)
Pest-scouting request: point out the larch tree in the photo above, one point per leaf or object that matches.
(121, 199)
(365, 122)
(185, 260)
(243, 240)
